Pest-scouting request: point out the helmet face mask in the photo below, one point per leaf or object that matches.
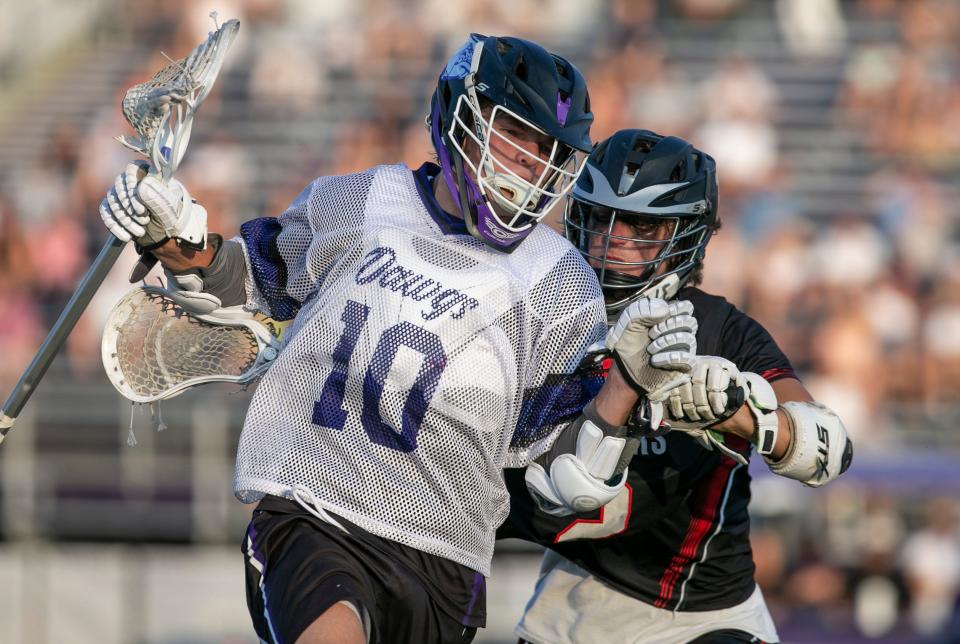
(633, 254)
(518, 203)
(494, 97)
(642, 214)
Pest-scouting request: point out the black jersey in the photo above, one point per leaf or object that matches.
(677, 537)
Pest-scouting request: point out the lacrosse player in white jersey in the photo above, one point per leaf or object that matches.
(435, 338)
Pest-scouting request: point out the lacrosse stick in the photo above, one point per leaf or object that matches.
(154, 349)
(161, 111)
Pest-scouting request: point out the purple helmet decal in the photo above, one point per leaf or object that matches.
(459, 64)
(563, 108)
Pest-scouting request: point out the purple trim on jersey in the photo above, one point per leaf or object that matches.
(479, 586)
(563, 108)
(255, 552)
(559, 399)
(448, 223)
(268, 268)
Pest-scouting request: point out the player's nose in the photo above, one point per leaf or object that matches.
(620, 234)
(527, 157)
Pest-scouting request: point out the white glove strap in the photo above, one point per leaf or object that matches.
(762, 402)
(820, 450)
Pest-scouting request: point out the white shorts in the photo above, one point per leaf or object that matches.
(570, 606)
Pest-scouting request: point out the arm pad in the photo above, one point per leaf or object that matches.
(585, 468)
(221, 284)
(820, 449)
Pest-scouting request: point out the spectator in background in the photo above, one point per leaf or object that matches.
(913, 211)
(941, 341)
(740, 102)
(812, 28)
(931, 566)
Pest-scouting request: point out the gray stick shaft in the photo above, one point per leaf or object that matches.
(58, 334)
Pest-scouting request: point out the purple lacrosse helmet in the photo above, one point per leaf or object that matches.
(491, 77)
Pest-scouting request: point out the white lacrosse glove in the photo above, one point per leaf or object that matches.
(122, 212)
(667, 328)
(140, 207)
(713, 393)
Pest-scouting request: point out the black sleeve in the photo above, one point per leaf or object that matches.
(526, 521)
(730, 333)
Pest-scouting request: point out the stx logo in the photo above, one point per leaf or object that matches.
(823, 450)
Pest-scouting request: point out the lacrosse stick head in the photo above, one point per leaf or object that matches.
(154, 349)
(161, 110)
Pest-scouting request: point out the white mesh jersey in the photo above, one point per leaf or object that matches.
(419, 362)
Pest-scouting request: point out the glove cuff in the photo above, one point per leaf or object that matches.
(146, 248)
(762, 402)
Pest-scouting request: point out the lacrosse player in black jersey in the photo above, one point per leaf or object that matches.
(669, 559)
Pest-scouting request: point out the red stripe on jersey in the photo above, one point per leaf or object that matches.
(706, 505)
(776, 374)
(605, 534)
(736, 443)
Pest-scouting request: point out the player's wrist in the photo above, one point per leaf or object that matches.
(616, 399)
(741, 423)
(181, 257)
(784, 436)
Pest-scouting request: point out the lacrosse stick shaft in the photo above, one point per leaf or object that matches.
(58, 334)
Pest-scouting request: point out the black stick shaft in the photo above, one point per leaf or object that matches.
(58, 334)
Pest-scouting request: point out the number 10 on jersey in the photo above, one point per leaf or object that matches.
(328, 411)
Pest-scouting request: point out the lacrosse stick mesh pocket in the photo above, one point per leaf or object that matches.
(161, 109)
(154, 349)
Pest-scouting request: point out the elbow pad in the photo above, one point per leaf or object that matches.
(590, 476)
(820, 449)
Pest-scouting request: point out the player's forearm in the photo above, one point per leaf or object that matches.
(616, 399)
(744, 425)
(219, 270)
(177, 258)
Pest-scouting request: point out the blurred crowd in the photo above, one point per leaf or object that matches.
(847, 253)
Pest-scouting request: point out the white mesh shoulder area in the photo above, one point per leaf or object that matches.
(406, 371)
(289, 256)
(565, 302)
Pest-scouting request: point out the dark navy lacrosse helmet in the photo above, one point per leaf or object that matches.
(491, 80)
(642, 213)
